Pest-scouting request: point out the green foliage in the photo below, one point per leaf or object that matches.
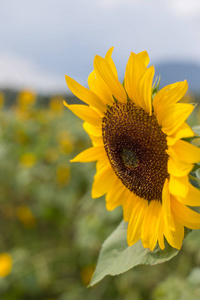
(117, 257)
(196, 129)
(195, 174)
(52, 228)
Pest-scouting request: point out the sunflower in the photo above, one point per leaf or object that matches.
(142, 161)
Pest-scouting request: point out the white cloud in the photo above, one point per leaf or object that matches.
(106, 4)
(185, 8)
(68, 41)
(17, 72)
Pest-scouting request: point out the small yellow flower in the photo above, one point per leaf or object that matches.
(188, 98)
(56, 104)
(26, 216)
(63, 174)
(6, 263)
(26, 98)
(65, 141)
(2, 98)
(86, 274)
(21, 137)
(142, 161)
(51, 155)
(28, 160)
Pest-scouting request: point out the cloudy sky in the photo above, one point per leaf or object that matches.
(42, 40)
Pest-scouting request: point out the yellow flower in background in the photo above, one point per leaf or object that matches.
(26, 99)
(188, 98)
(2, 98)
(86, 274)
(198, 115)
(6, 263)
(142, 163)
(21, 136)
(56, 104)
(28, 160)
(51, 155)
(65, 142)
(26, 216)
(62, 174)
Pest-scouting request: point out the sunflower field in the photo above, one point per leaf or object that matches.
(51, 228)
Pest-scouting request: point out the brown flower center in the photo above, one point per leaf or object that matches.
(135, 145)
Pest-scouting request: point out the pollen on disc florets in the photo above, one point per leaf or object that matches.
(136, 148)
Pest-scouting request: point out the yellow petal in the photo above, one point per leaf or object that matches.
(178, 168)
(179, 235)
(193, 197)
(145, 89)
(184, 152)
(85, 113)
(184, 131)
(96, 141)
(184, 215)
(108, 58)
(179, 186)
(84, 94)
(102, 163)
(94, 133)
(143, 56)
(103, 179)
(175, 238)
(167, 215)
(161, 233)
(149, 235)
(92, 130)
(128, 204)
(170, 94)
(104, 71)
(115, 196)
(90, 154)
(137, 215)
(171, 117)
(135, 68)
(99, 87)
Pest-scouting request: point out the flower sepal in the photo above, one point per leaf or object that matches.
(156, 86)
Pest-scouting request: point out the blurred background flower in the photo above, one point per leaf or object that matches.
(28, 160)
(25, 215)
(26, 99)
(56, 104)
(5, 264)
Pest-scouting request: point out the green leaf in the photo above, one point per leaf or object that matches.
(117, 257)
(195, 178)
(196, 142)
(196, 129)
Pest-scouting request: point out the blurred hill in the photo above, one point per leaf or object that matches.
(176, 71)
(170, 72)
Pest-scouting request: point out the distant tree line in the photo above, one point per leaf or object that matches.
(11, 95)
